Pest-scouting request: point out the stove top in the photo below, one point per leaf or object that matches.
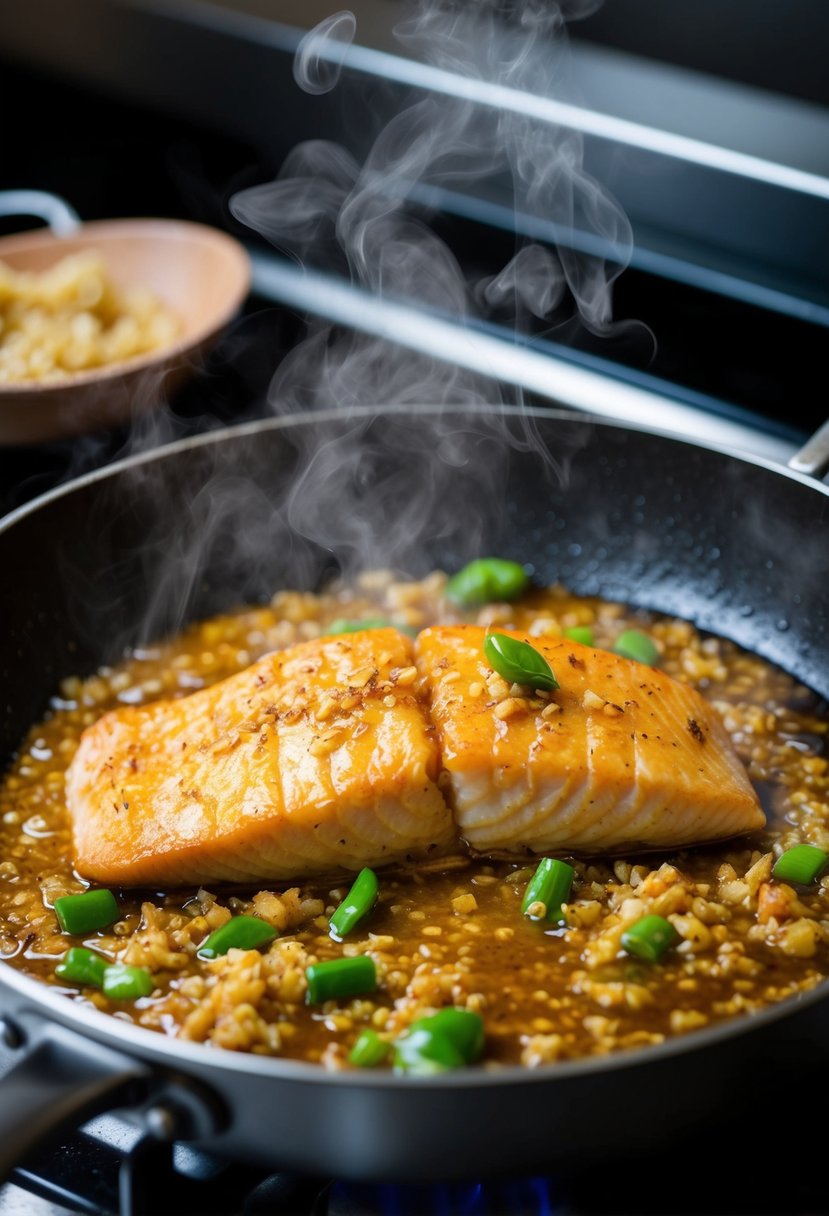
(728, 274)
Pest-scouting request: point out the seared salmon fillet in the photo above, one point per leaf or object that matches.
(366, 749)
(314, 759)
(621, 755)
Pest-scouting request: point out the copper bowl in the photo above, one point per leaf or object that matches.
(200, 273)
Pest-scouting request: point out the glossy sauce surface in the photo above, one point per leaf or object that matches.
(449, 932)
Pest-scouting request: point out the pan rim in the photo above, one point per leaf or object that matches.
(339, 414)
(140, 1041)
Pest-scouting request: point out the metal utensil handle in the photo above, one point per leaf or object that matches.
(55, 211)
(813, 457)
(61, 1078)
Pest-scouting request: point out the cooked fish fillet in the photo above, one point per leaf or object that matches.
(315, 759)
(326, 757)
(627, 757)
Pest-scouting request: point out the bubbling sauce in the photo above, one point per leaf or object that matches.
(453, 933)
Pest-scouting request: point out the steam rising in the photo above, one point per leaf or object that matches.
(334, 493)
(323, 202)
(316, 69)
(366, 222)
(416, 482)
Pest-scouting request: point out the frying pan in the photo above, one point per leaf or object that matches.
(736, 544)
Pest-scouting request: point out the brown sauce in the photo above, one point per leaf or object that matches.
(454, 935)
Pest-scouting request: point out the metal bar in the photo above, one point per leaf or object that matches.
(672, 267)
(589, 122)
(502, 360)
(387, 66)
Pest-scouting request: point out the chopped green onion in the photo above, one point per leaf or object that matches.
(341, 977)
(463, 1028)
(123, 983)
(423, 1052)
(86, 912)
(633, 644)
(343, 625)
(549, 887)
(801, 864)
(518, 662)
(487, 579)
(580, 633)
(649, 938)
(369, 1050)
(445, 1040)
(240, 933)
(82, 966)
(357, 904)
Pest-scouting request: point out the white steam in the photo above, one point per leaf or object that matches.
(365, 223)
(316, 68)
(533, 281)
(324, 207)
(398, 487)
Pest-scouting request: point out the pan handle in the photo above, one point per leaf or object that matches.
(813, 457)
(63, 1079)
(60, 1079)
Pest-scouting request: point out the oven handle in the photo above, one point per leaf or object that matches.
(62, 1079)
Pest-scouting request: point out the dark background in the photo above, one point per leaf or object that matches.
(117, 152)
(781, 47)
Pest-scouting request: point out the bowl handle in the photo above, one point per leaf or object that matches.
(55, 211)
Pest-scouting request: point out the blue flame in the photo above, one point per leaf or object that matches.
(513, 1197)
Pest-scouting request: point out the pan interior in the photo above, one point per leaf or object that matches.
(128, 557)
(198, 528)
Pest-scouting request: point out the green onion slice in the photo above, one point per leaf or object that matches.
(487, 579)
(550, 886)
(518, 662)
(340, 977)
(580, 633)
(356, 906)
(82, 966)
(801, 864)
(86, 912)
(123, 983)
(650, 938)
(422, 1053)
(449, 1039)
(633, 644)
(369, 1049)
(463, 1028)
(343, 625)
(240, 933)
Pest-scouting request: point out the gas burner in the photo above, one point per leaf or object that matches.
(106, 1169)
